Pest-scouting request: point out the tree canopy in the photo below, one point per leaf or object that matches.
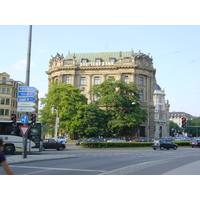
(121, 104)
(70, 104)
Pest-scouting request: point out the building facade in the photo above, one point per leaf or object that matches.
(161, 113)
(8, 97)
(83, 70)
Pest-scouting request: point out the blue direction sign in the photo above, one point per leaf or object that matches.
(30, 94)
(24, 119)
(27, 89)
(26, 99)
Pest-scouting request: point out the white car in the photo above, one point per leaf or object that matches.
(61, 139)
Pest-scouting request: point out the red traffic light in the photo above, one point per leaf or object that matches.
(33, 115)
(183, 119)
(13, 115)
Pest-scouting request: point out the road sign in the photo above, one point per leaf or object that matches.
(27, 88)
(31, 94)
(26, 104)
(26, 109)
(24, 130)
(26, 99)
(24, 119)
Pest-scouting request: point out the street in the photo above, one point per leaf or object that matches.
(144, 161)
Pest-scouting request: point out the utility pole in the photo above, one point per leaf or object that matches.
(24, 152)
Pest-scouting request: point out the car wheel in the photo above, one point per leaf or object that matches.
(192, 146)
(175, 148)
(161, 148)
(9, 149)
(60, 148)
(154, 148)
(167, 148)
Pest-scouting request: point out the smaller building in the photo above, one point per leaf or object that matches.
(176, 117)
(161, 113)
(8, 96)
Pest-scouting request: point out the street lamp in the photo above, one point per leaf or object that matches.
(56, 125)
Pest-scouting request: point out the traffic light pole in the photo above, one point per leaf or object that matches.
(24, 151)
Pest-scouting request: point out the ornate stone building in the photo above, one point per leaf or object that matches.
(8, 96)
(83, 70)
(161, 113)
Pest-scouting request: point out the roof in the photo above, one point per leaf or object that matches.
(105, 56)
(157, 87)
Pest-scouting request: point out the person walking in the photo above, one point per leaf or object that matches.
(3, 160)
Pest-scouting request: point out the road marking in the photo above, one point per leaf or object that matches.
(52, 168)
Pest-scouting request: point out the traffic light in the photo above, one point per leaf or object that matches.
(184, 125)
(14, 121)
(33, 119)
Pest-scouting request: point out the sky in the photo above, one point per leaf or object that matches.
(175, 50)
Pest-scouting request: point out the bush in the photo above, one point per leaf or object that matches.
(127, 144)
(116, 144)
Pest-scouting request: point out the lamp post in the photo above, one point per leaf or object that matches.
(56, 125)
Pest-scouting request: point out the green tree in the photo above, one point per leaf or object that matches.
(174, 128)
(94, 122)
(70, 104)
(121, 103)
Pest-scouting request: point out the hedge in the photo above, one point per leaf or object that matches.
(126, 144)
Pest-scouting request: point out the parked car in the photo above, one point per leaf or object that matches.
(195, 143)
(61, 139)
(89, 140)
(163, 144)
(144, 140)
(53, 144)
(115, 140)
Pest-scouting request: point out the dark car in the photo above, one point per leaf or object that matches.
(163, 144)
(195, 143)
(89, 140)
(53, 144)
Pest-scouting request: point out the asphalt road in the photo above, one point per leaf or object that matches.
(113, 162)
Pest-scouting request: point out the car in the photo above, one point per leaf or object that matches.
(89, 140)
(53, 144)
(195, 143)
(163, 144)
(61, 139)
(115, 140)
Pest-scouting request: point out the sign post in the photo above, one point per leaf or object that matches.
(27, 97)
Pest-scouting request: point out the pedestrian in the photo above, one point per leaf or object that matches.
(3, 160)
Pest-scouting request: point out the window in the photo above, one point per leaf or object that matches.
(98, 60)
(7, 112)
(67, 80)
(7, 90)
(96, 80)
(7, 101)
(83, 81)
(3, 90)
(3, 80)
(141, 96)
(1, 111)
(84, 60)
(126, 79)
(2, 101)
(141, 81)
(112, 60)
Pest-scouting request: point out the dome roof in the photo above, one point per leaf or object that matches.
(157, 87)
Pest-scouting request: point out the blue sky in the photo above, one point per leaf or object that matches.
(175, 50)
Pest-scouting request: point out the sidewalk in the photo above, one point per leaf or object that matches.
(40, 156)
(14, 159)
